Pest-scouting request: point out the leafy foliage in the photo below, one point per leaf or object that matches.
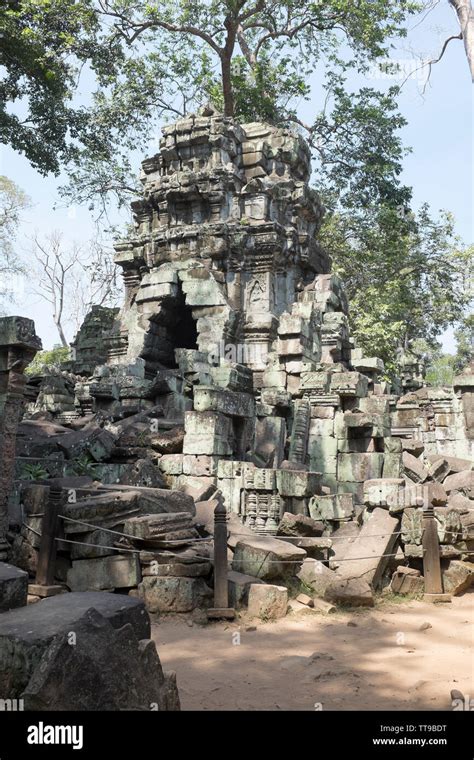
(405, 275)
(42, 45)
(405, 272)
(33, 471)
(50, 359)
(252, 60)
(440, 371)
(82, 465)
(464, 342)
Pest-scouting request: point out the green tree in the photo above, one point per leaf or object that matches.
(464, 344)
(151, 59)
(251, 59)
(439, 365)
(405, 275)
(51, 359)
(43, 44)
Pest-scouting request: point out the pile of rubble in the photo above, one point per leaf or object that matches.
(230, 373)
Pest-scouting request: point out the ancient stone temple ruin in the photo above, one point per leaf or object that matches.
(230, 375)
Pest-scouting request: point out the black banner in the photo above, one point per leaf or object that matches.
(368, 734)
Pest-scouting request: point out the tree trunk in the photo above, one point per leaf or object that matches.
(465, 16)
(228, 93)
(62, 337)
(231, 25)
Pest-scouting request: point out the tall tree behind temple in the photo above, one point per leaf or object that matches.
(407, 275)
(253, 60)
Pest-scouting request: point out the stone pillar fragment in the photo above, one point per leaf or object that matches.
(18, 346)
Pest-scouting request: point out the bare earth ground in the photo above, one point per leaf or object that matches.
(382, 662)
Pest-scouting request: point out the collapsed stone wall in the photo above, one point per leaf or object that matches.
(230, 367)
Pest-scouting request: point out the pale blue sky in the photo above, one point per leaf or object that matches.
(439, 168)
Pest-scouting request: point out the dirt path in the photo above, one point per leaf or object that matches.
(356, 660)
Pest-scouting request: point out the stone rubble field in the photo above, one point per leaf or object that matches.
(229, 377)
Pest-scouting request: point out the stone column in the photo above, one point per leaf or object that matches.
(18, 346)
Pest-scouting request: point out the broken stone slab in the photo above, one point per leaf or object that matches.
(366, 558)
(349, 384)
(180, 555)
(413, 445)
(458, 576)
(104, 573)
(162, 441)
(199, 488)
(266, 558)
(343, 537)
(13, 587)
(385, 492)
(413, 468)
(267, 602)
(439, 469)
(460, 502)
(26, 632)
(305, 599)
(155, 414)
(357, 468)
(95, 543)
(34, 496)
(92, 440)
(316, 576)
(407, 580)
(207, 399)
(170, 594)
(353, 592)
(106, 669)
(295, 606)
(323, 606)
(112, 506)
(460, 481)
(177, 569)
(239, 585)
(157, 530)
(316, 548)
(298, 483)
(236, 531)
(339, 506)
(456, 464)
(299, 526)
(143, 472)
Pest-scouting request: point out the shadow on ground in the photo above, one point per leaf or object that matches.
(381, 659)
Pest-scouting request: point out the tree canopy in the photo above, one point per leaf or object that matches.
(406, 275)
(87, 84)
(145, 61)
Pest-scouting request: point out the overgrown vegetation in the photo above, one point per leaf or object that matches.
(50, 359)
(144, 63)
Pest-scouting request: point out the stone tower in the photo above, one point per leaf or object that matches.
(225, 239)
(234, 329)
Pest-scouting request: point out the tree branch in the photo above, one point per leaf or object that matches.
(432, 61)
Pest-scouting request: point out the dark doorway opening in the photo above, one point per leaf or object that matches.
(183, 330)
